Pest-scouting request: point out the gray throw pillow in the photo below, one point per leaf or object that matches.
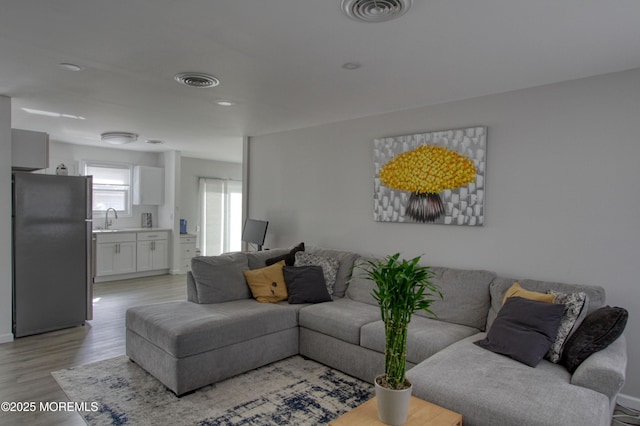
(573, 306)
(523, 330)
(305, 284)
(329, 266)
(220, 278)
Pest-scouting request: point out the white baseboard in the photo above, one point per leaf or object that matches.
(629, 401)
(5, 338)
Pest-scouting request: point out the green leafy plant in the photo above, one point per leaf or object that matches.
(402, 288)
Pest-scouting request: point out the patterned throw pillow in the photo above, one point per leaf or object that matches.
(573, 305)
(329, 266)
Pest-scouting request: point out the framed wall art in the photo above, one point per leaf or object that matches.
(432, 177)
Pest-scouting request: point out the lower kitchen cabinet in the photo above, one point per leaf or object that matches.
(187, 251)
(116, 254)
(152, 251)
(121, 255)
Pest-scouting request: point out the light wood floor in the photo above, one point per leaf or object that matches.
(26, 363)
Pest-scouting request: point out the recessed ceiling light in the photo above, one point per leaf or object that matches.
(52, 114)
(118, 138)
(154, 141)
(351, 65)
(70, 67)
(196, 79)
(224, 102)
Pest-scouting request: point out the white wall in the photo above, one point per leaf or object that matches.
(562, 190)
(192, 170)
(72, 155)
(6, 319)
(168, 212)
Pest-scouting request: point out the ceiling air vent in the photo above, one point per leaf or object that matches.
(196, 79)
(375, 10)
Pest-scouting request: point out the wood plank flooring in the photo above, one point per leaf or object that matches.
(26, 363)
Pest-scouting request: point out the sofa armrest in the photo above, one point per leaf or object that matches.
(192, 290)
(604, 371)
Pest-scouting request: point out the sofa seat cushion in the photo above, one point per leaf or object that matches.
(341, 318)
(184, 328)
(425, 337)
(490, 389)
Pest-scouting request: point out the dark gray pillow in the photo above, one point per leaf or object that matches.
(305, 284)
(524, 330)
(220, 278)
(598, 330)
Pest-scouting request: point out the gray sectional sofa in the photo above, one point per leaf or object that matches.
(222, 331)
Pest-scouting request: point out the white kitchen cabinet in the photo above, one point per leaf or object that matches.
(152, 251)
(29, 150)
(187, 251)
(148, 185)
(115, 253)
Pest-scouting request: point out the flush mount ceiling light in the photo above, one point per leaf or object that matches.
(196, 79)
(225, 103)
(375, 10)
(118, 138)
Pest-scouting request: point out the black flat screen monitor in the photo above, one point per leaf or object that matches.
(254, 232)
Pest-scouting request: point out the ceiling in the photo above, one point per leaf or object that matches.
(280, 62)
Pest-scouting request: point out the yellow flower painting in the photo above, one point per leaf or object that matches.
(415, 172)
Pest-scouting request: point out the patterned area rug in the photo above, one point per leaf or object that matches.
(294, 391)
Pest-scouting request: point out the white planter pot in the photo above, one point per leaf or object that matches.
(393, 405)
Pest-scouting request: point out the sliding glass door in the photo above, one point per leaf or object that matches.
(220, 228)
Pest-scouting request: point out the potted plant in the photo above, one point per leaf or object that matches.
(402, 288)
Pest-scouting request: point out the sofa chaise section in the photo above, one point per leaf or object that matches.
(500, 390)
(490, 389)
(187, 345)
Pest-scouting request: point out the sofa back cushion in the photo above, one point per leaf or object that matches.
(499, 286)
(466, 296)
(346, 260)
(360, 288)
(258, 259)
(220, 278)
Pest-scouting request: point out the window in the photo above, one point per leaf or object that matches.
(111, 186)
(220, 216)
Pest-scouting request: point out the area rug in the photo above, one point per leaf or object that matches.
(294, 391)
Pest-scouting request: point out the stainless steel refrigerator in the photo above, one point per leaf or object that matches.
(52, 283)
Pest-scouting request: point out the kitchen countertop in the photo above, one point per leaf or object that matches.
(114, 230)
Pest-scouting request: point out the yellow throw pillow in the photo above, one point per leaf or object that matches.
(517, 291)
(267, 284)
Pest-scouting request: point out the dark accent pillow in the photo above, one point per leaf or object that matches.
(305, 284)
(598, 330)
(289, 258)
(524, 330)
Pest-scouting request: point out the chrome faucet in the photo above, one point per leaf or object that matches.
(107, 222)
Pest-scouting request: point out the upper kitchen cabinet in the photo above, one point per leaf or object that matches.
(148, 185)
(29, 150)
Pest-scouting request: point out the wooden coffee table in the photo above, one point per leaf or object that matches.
(420, 413)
